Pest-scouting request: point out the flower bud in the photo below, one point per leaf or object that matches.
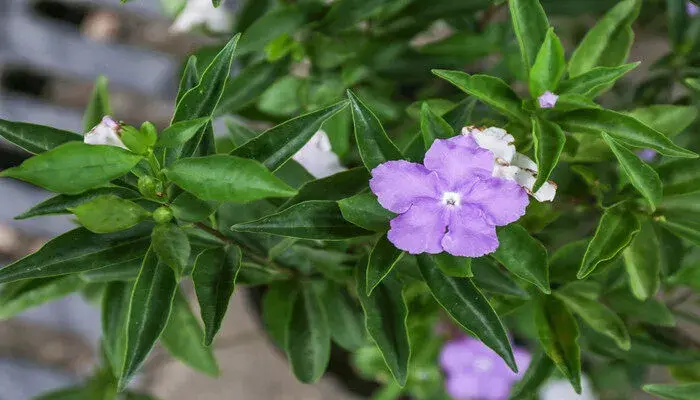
(107, 133)
(149, 133)
(148, 187)
(162, 215)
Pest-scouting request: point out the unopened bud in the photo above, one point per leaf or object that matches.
(148, 187)
(149, 133)
(162, 215)
(106, 133)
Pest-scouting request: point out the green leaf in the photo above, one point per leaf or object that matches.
(666, 118)
(374, 145)
(19, 296)
(549, 142)
(115, 311)
(460, 267)
(640, 174)
(537, 373)
(109, 213)
(345, 14)
(382, 260)
(593, 82)
(595, 314)
(283, 97)
(681, 226)
(643, 262)
(188, 208)
(678, 19)
(214, 277)
(530, 25)
(549, 65)
(432, 126)
(490, 90)
(463, 301)
(125, 271)
(489, 277)
(36, 139)
(74, 167)
(680, 176)
(523, 255)
(190, 78)
(643, 350)
(344, 318)
(277, 305)
(279, 21)
(227, 178)
(61, 203)
(334, 187)
(244, 88)
(316, 219)
(277, 145)
(365, 211)
(172, 246)
(682, 391)
(386, 321)
(98, 105)
(179, 133)
(182, 338)
(615, 232)
(78, 251)
(650, 310)
(308, 339)
(149, 310)
(558, 333)
(597, 41)
(623, 128)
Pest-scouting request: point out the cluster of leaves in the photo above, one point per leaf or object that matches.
(577, 280)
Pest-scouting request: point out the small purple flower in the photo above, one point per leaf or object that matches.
(473, 371)
(692, 9)
(548, 100)
(647, 154)
(450, 203)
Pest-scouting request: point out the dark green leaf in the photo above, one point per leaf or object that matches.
(523, 255)
(615, 232)
(595, 81)
(17, 297)
(334, 187)
(190, 78)
(549, 65)
(61, 203)
(682, 391)
(460, 267)
(279, 21)
(115, 311)
(98, 105)
(549, 142)
(537, 373)
(172, 246)
(277, 305)
(109, 213)
(345, 319)
(365, 211)
(433, 127)
(680, 176)
(188, 208)
(651, 310)
(680, 225)
(36, 139)
(382, 260)
(374, 145)
(643, 262)
(490, 278)
(530, 25)
(643, 350)
(248, 85)
(124, 271)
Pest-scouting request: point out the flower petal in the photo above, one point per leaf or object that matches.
(502, 201)
(318, 158)
(455, 163)
(527, 180)
(496, 140)
(398, 184)
(468, 234)
(420, 229)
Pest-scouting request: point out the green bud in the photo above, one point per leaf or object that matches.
(133, 139)
(150, 133)
(148, 187)
(162, 215)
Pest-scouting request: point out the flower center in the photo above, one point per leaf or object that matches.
(451, 199)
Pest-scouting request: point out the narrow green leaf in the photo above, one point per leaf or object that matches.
(549, 65)
(432, 126)
(489, 277)
(334, 187)
(115, 311)
(308, 339)
(490, 90)
(643, 262)
(271, 25)
(650, 310)
(188, 208)
(619, 47)
(365, 211)
(227, 178)
(78, 251)
(669, 119)
(74, 167)
(460, 298)
(386, 321)
(345, 318)
(643, 350)
(124, 271)
(214, 277)
(382, 260)
(592, 83)
(109, 213)
(98, 105)
(179, 133)
(682, 391)
(61, 203)
(678, 19)
(182, 337)
(316, 219)
(17, 297)
(172, 246)
(558, 333)
(681, 226)
(530, 25)
(277, 145)
(277, 305)
(623, 128)
(190, 78)
(615, 232)
(36, 139)
(549, 142)
(680, 176)
(374, 145)
(244, 88)
(537, 373)
(149, 310)
(523, 255)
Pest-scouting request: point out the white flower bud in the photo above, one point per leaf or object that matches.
(202, 13)
(105, 133)
(318, 158)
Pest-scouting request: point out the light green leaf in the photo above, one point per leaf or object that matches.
(523, 255)
(172, 246)
(109, 213)
(279, 21)
(283, 97)
(432, 126)
(179, 133)
(74, 167)
(115, 311)
(334, 187)
(17, 297)
(640, 174)
(227, 178)
(188, 208)
(98, 105)
(316, 219)
(592, 83)
(214, 277)
(615, 232)
(549, 65)
(682, 391)
(680, 225)
(190, 78)
(530, 25)
(374, 145)
(244, 88)
(382, 260)
(36, 139)
(643, 262)
(61, 203)
(365, 211)
(345, 318)
(666, 118)
(549, 142)
(537, 373)
(680, 177)
(460, 267)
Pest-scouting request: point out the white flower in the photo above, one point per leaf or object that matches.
(202, 13)
(560, 389)
(106, 133)
(510, 164)
(318, 158)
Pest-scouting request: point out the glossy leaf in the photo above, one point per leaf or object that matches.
(537, 373)
(75, 167)
(335, 187)
(214, 279)
(109, 213)
(432, 126)
(643, 262)
(179, 133)
(125, 271)
(593, 82)
(463, 301)
(374, 145)
(98, 105)
(365, 211)
(523, 255)
(314, 219)
(227, 178)
(172, 246)
(382, 260)
(549, 65)
(345, 319)
(615, 232)
(190, 78)
(61, 203)
(277, 145)
(681, 391)
(20, 296)
(36, 139)
(115, 311)
(530, 25)
(549, 142)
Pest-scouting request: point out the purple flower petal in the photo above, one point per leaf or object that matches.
(421, 228)
(457, 355)
(469, 235)
(503, 201)
(398, 184)
(463, 386)
(548, 100)
(457, 162)
(692, 9)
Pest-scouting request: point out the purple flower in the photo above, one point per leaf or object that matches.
(451, 203)
(647, 154)
(473, 371)
(692, 9)
(548, 100)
